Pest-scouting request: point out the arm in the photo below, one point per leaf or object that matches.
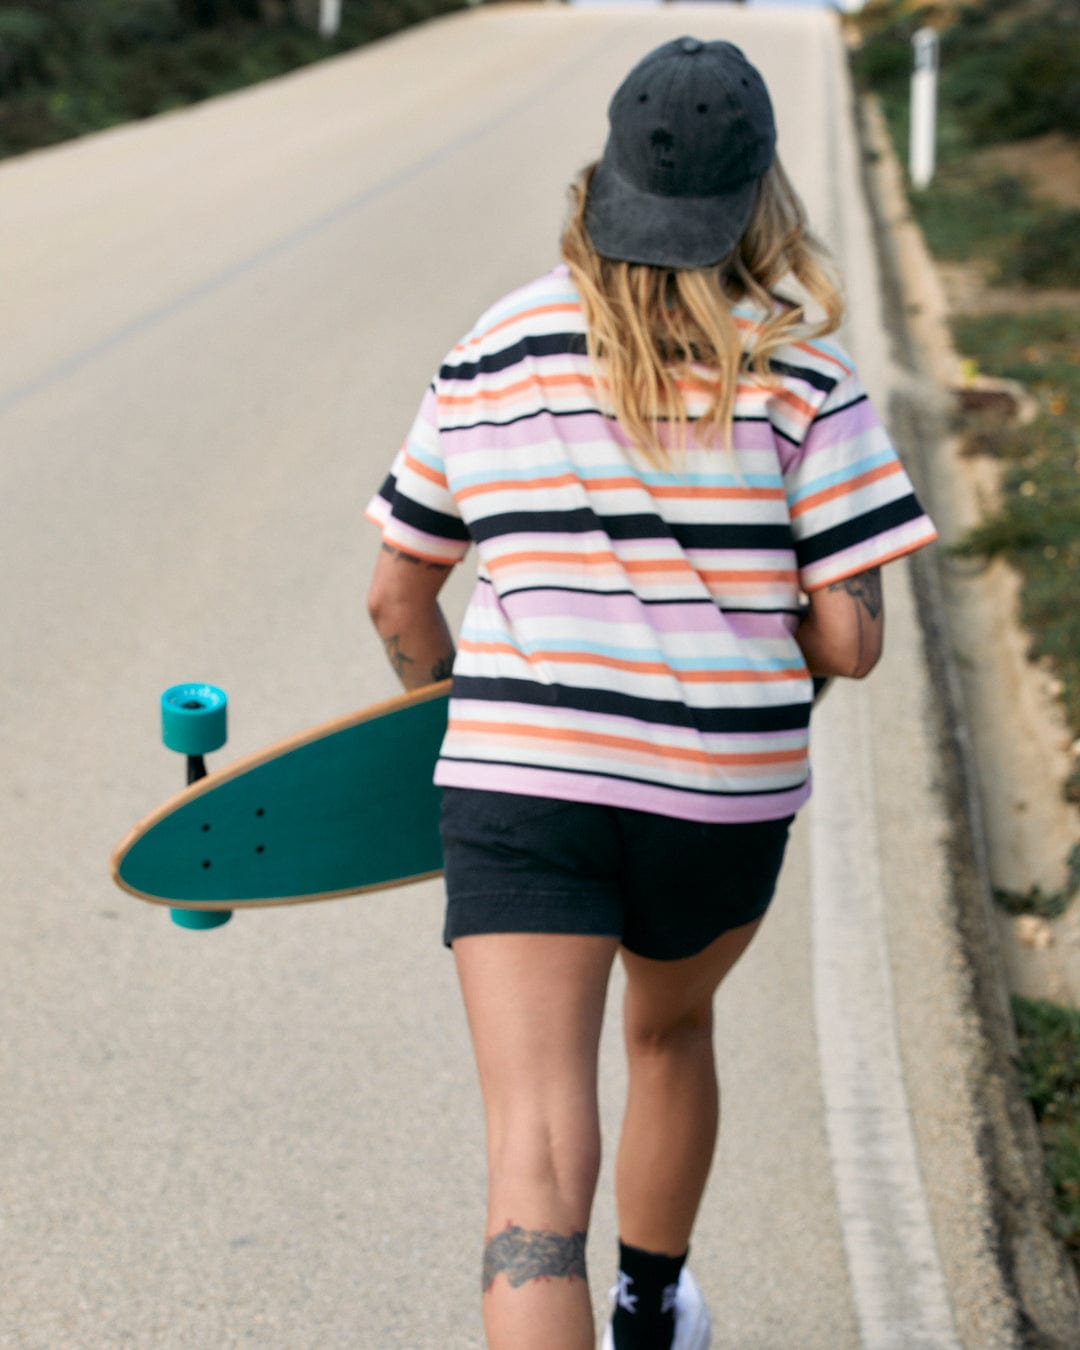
(842, 630)
(403, 607)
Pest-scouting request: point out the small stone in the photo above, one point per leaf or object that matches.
(1035, 932)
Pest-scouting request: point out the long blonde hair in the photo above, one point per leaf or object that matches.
(655, 334)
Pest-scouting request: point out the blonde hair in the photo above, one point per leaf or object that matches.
(656, 334)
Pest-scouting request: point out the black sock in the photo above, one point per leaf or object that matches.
(644, 1316)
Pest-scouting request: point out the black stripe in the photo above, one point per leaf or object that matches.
(816, 378)
(662, 712)
(436, 523)
(627, 778)
(843, 408)
(569, 412)
(389, 487)
(631, 528)
(858, 531)
(667, 600)
(543, 344)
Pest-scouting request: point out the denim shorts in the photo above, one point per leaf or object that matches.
(665, 888)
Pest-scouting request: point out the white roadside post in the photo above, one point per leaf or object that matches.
(924, 107)
(329, 18)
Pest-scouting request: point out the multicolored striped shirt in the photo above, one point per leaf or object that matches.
(630, 639)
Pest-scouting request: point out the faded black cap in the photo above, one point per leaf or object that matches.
(691, 134)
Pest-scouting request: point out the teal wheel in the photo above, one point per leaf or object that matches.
(200, 918)
(193, 718)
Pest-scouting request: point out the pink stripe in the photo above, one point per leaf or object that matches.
(577, 429)
(673, 617)
(597, 791)
(840, 427)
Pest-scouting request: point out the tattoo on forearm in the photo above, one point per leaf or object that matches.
(521, 1256)
(443, 669)
(398, 659)
(399, 556)
(865, 588)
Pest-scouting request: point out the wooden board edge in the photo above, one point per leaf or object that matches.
(275, 902)
(398, 703)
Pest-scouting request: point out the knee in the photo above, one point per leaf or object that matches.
(690, 1032)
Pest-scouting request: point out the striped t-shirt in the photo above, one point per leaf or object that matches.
(630, 640)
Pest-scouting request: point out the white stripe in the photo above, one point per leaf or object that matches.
(899, 1289)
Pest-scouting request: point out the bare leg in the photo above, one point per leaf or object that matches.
(535, 1005)
(673, 1108)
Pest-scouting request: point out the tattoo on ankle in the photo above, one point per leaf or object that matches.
(521, 1256)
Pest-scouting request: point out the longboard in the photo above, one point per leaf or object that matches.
(344, 807)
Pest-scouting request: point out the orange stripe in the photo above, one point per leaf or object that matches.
(843, 489)
(645, 749)
(540, 556)
(623, 485)
(662, 566)
(423, 471)
(511, 391)
(720, 493)
(517, 318)
(820, 355)
(792, 401)
(510, 485)
(424, 557)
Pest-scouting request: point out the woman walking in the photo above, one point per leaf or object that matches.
(680, 499)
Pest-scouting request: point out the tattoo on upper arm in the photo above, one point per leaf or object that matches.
(521, 1255)
(865, 588)
(398, 659)
(400, 556)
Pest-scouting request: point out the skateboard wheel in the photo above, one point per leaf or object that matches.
(200, 918)
(193, 718)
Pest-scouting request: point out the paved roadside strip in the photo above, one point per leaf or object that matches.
(1034, 1265)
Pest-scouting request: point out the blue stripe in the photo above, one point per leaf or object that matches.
(844, 475)
(616, 470)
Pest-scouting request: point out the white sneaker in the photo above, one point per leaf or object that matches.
(693, 1329)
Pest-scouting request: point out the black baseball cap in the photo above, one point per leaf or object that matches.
(691, 135)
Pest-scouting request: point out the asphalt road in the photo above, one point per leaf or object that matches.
(214, 331)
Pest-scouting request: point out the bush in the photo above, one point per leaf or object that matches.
(73, 66)
(23, 42)
(1047, 253)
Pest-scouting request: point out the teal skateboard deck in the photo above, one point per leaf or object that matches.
(344, 807)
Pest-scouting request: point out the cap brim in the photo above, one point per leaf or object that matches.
(632, 226)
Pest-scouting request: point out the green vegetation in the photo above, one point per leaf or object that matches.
(1038, 525)
(72, 66)
(1010, 70)
(1049, 1065)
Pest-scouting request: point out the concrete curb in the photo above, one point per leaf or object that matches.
(1036, 1269)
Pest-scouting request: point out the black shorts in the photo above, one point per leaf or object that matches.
(665, 888)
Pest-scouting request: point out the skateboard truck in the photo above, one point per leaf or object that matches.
(194, 723)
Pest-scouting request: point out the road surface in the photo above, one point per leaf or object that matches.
(215, 329)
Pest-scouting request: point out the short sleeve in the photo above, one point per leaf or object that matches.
(415, 508)
(851, 503)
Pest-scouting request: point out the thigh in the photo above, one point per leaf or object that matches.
(535, 1006)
